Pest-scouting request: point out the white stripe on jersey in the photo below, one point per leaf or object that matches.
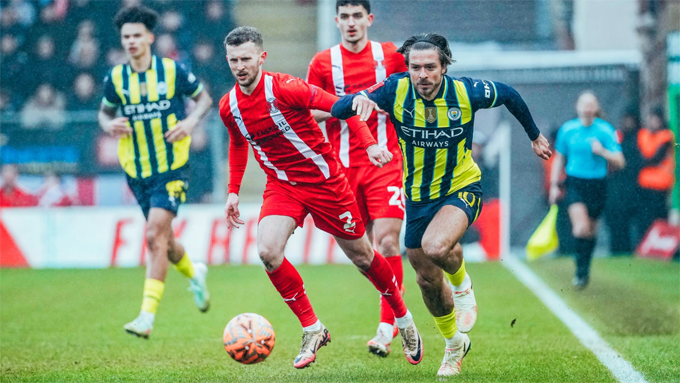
(288, 131)
(339, 85)
(380, 75)
(242, 127)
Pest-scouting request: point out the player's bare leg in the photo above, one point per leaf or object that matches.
(583, 230)
(386, 232)
(440, 244)
(379, 272)
(197, 273)
(272, 234)
(440, 271)
(158, 235)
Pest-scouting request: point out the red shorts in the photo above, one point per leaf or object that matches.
(331, 204)
(379, 191)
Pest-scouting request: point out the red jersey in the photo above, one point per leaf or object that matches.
(339, 71)
(276, 121)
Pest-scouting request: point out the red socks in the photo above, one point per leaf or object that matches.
(384, 279)
(288, 283)
(386, 314)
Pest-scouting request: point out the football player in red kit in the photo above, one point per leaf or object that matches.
(271, 112)
(349, 67)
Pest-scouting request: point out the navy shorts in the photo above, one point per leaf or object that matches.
(166, 190)
(420, 214)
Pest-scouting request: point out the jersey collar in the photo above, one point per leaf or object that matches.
(153, 66)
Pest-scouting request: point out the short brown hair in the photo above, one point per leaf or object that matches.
(242, 35)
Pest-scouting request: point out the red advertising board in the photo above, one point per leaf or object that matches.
(661, 241)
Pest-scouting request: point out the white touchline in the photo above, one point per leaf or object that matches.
(622, 370)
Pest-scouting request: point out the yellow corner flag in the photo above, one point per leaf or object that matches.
(544, 240)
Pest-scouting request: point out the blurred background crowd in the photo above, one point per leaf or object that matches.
(54, 55)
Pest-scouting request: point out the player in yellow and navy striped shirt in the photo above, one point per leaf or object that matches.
(154, 137)
(434, 118)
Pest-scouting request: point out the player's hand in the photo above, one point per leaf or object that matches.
(118, 127)
(378, 155)
(181, 130)
(541, 147)
(596, 147)
(554, 194)
(364, 107)
(231, 211)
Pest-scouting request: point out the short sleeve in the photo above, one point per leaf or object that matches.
(610, 140)
(484, 93)
(187, 83)
(111, 97)
(560, 141)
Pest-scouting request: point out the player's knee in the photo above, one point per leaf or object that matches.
(388, 245)
(581, 230)
(154, 238)
(428, 282)
(270, 254)
(436, 250)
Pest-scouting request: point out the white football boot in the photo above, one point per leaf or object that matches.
(466, 308)
(453, 357)
(380, 344)
(199, 287)
(140, 327)
(311, 343)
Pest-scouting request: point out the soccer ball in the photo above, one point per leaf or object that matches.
(249, 338)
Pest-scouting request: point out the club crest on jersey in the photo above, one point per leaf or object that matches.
(142, 89)
(431, 114)
(273, 106)
(454, 114)
(162, 88)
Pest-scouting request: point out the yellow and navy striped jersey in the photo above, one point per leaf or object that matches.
(153, 102)
(435, 136)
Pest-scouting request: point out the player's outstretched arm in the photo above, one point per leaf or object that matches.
(113, 126)
(185, 127)
(508, 96)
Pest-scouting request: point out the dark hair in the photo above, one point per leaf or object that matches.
(364, 3)
(242, 35)
(137, 14)
(428, 41)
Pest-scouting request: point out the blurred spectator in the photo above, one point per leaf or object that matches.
(45, 66)
(115, 56)
(656, 178)
(45, 109)
(24, 11)
(53, 11)
(11, 194)
(85, 94)
(623, 194)
(216, 21)
(52, 193)
(85, 49)
(7, 102)
(209, 67)
(166, 46)
(13, 63)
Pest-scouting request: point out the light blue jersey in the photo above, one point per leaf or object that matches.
(574, 142)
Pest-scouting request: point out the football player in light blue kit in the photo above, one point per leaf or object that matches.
(590, 146)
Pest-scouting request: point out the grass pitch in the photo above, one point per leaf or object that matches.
(66, 325)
